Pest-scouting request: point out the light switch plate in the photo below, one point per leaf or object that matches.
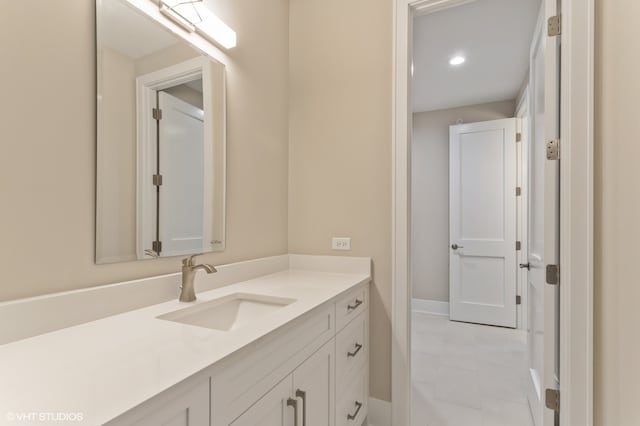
(341, 243)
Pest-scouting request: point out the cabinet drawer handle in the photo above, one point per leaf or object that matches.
(303, 396)
(293, 403)
(354, 415)
(355, 305)
(354, 353)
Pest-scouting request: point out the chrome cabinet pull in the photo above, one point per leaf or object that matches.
(525, 265)
(354, 353)
(355, 305)
(293, 403)
(354, 415)
(456, 247)
(303, 395)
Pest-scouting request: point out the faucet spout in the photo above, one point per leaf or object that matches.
(209, 269)
(187, 293)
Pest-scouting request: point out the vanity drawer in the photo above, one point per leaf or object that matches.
(350, 305)
(351, 407)
(352, 349)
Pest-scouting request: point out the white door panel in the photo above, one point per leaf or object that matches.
(181, 152)
(482, 177)
(544, 209)
(483, 222)
(535, 280)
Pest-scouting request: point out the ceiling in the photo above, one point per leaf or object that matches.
(129, 32)
(195, 85)
(493, 35)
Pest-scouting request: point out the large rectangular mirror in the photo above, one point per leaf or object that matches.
(160, 140)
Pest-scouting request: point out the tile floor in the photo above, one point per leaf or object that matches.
(468, 374)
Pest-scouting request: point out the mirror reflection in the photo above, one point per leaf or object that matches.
(160, 140)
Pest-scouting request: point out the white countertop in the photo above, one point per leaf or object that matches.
(105, 367)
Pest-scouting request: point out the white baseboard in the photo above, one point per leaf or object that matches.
(433, 307)
(379, 413)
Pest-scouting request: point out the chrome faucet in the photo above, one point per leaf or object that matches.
(187, 293)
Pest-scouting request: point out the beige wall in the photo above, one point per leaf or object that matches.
(430, 193)
(179, 52)
(617, 216)
(47, 165)
(340, 145)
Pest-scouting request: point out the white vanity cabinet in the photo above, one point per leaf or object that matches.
(271, 409)
(314, 385)
(312, 371)
(185, 404)
(352, 359)
(307, 393)
(319, 370)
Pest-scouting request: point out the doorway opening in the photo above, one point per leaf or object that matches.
(177, 211)
(569, 266)
(474, 346)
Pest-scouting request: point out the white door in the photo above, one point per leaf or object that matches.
(543, 245)
(272, 409)
(313, 384)
(482, 228)
(181, 160)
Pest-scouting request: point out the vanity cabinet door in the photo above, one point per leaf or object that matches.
(313, 387)
(271, 409)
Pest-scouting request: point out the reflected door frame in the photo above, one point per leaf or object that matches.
(147, 87)
(576, 217)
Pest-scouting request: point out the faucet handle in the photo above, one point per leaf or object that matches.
(188, 261)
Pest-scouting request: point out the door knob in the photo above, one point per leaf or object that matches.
(525, 265)
(456, 247)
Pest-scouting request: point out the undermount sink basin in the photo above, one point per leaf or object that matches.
(229, 312)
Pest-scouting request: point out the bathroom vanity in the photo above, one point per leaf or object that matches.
(289, 347)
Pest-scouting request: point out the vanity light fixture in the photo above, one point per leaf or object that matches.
(457, 60)
(194, 16)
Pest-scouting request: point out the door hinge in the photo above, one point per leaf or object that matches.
(156, 113)
(518, 300)
(553, 274)
(554, 26)
(553, 149)
(518, 191)
(156, 246)
(157, 180)
(518, 137)
(518, 246)
(552, 399)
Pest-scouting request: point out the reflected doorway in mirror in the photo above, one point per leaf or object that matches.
(176, 179)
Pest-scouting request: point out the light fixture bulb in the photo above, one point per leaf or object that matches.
(194, 16)
(457, 60)
(214, 29)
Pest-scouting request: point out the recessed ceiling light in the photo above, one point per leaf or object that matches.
(457, 60)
